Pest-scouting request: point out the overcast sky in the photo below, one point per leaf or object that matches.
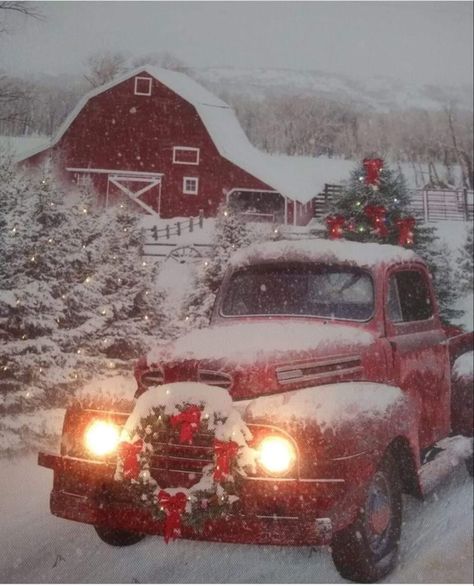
(426, 42)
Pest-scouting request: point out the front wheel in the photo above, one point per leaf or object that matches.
(116, 537)
(367, 550)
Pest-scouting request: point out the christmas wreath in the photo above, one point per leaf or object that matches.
(188, 409)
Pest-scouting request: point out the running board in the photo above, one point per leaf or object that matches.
(450, 453)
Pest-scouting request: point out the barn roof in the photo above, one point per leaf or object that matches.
(298, 178)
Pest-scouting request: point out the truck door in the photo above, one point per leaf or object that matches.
(420, 351)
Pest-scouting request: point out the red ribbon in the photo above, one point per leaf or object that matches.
(405, 227)
(174, 507)
(376, 215)
(189, 420)
(335, 225)
(129, 453)
(372, 171)
(225, 452)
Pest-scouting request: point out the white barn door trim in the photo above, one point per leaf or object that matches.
(120, 181)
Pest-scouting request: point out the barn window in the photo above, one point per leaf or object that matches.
(186, 155)
(143, 86)
(190, 185)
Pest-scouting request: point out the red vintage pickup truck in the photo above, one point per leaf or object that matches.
(335, 358)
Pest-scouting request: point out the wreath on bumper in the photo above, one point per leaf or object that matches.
(188, 409)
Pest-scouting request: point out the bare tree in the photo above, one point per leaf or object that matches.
(104, 67)
(161, 59)
(24, 8)
(462, 148)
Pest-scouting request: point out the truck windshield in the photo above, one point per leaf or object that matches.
(322, 291)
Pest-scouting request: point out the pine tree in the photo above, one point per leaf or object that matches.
(75, 290)
(130, 305)
(231, 233)
(464, 273)
(353, 211)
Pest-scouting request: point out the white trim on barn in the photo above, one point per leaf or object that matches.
(191, 191)
(149, 80)
(183, 148)
(117, 171)
(120, 182)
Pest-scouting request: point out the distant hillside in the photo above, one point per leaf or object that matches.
(379, 93)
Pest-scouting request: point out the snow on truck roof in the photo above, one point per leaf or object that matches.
(298, 178)
(317, 249)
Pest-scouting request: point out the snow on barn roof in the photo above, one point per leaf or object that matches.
(19, 146)
(316, 249)
(298, 178)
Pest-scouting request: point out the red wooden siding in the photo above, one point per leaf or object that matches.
(118, 130)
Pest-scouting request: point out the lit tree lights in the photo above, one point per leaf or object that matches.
(375, 207)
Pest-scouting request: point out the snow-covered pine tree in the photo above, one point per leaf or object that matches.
(355, 212)
(36, 271)
(130, 305)
(231, 233)
(464, 273)
(74, 282)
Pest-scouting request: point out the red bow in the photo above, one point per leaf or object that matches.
(225, 452)
(189, 420)
(376, 215)
(335, 226)
(129, 453)
(405, 227)
(174, 507)
(372, 171)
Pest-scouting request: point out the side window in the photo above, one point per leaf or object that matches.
(393, 302)
(409, 297)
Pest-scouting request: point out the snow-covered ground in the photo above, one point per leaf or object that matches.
(36, 547)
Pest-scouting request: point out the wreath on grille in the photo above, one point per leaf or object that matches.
(188, 409)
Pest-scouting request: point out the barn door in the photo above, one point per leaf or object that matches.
(143, 191)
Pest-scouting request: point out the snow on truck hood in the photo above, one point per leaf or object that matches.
(263, 340)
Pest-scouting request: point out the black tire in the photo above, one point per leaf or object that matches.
(116, 537)
(367, 550)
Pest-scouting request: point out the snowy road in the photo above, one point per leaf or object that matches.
(37, 547)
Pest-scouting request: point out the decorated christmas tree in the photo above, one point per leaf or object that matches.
(375, 207)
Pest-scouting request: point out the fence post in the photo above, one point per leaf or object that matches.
(168, 231)
(425, 206)
(201, 218)
(178, 228)
(191, 224)
(465, 206)
(154, 232)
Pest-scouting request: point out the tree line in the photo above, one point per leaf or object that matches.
(286, 124)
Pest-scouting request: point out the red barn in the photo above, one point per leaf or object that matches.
(161, 139)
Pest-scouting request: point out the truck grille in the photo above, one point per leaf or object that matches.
(215, 378)
(314, 371)
(171, 456)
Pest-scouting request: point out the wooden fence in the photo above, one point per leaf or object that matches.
(427, 205)
(177, 228)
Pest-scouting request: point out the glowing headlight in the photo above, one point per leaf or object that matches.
(276, 454)
(101, 437)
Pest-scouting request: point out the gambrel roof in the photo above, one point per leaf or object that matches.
(298, 178)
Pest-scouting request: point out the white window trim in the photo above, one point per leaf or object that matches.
(194, 191)
(149, 79)
(182, 148)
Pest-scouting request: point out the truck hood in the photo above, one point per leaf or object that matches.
(261, 341)
(262, 356)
